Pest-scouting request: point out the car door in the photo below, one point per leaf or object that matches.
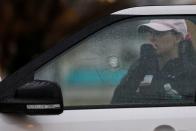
(88, 67)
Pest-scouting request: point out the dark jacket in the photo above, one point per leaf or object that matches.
(175, 82)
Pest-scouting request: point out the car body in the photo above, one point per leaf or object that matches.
(86, 83)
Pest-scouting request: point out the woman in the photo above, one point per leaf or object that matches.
(164, 72)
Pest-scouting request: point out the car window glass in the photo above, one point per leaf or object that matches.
(128, 62)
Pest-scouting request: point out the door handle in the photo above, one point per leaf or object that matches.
(164, 128)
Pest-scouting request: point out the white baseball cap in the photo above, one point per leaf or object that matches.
(178, 25)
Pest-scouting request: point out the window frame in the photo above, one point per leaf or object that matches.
(26, 73)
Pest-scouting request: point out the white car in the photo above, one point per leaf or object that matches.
(70, 87)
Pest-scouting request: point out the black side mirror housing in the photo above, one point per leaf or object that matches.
(36, 97)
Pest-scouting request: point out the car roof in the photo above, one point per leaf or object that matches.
(158, 10)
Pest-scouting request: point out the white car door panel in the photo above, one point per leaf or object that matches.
(140, 119)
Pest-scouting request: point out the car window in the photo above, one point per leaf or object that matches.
(134, 61)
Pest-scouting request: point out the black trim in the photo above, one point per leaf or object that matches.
(115, 106)
(26, 73)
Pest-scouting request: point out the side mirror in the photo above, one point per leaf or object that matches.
(35, 97)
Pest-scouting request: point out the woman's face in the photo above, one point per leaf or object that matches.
(165, 43)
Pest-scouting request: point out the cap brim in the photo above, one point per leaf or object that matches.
(154, 26)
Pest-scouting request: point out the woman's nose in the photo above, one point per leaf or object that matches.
(153, 41)
(152, 38)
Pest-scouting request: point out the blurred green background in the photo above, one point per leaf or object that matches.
(29, 27)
